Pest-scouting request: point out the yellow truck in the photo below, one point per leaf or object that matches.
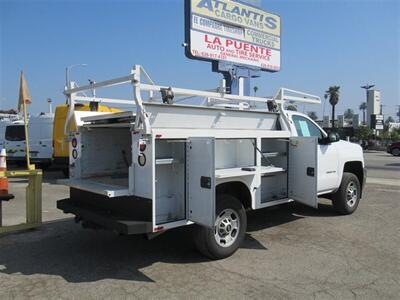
(60, 139)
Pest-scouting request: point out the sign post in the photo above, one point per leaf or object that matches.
(239, 39)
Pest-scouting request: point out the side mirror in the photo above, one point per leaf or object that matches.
(331, 138)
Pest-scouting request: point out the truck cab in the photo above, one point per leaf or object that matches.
(335, 157)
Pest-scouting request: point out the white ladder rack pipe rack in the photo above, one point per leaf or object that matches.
(142, 121)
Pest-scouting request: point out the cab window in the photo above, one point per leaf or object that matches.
(305, 127)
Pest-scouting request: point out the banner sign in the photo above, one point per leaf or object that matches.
(226, 30)
(377, 122)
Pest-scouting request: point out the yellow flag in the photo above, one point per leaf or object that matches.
(23, 92)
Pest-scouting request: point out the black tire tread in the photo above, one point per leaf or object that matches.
(202, 239)
(338, 198)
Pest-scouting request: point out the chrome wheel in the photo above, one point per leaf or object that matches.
(351, 194)
(226, 229)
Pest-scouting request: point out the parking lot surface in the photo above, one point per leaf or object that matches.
(290, 252)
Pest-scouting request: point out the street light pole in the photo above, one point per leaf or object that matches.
(50, 108)
(323, 107)
(67, 70)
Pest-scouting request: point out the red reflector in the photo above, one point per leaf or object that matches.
(158, 136)
(74, 142)
(159, 228)
(142, 147)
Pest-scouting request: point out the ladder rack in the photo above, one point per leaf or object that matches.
(74, 94)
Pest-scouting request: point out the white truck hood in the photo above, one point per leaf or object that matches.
(349, 151)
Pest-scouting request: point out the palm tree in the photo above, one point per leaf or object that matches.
(363, 107)
(333, 93)
(255, 88)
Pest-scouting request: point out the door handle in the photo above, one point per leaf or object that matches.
(205, 182)
(310, 172)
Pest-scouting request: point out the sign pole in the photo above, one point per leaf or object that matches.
(28, 162)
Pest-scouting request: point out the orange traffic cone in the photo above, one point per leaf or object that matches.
(3, 168)
(4, 195)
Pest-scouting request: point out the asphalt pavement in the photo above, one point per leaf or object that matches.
(290, 252)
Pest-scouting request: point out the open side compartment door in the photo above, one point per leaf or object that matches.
(303, 166)
(200, 180)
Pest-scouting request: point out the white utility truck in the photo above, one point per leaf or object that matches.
(166, 164)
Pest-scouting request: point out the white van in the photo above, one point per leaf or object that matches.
(40, 139)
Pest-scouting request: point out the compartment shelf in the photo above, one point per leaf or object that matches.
(107, 186)
(236, 172)
(274, 154)
(165, 161)
(271, 170)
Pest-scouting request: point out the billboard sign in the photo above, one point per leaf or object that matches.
(377, 122)
(234, 32)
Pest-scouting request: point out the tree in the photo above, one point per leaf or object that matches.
(291, 107)
(348, 113)
(363, 107)
(255, 89)
(389, 120)
(395, 134)
(313, 115)
(333, 94)
(364, 133)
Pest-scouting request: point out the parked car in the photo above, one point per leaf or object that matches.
(394, 149)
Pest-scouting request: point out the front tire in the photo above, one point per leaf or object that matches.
(228, 232)
(346, 199)
(396, 151)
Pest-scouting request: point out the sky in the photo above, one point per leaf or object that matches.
(345, 42)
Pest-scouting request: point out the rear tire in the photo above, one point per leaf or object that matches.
(346, 199)
(228, 232)
(65, 172)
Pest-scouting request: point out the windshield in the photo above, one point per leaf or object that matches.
(15, 133)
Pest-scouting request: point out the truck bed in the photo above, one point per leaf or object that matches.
(104, 185)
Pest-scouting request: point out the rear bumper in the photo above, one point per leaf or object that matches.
(103, 219)
(125, 215)
(32, 159)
